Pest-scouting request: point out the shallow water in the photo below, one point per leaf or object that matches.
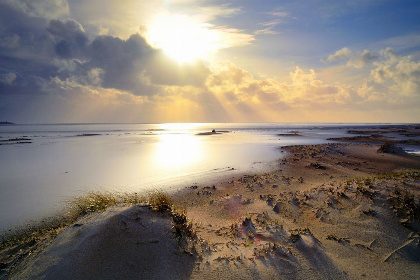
(36, 179)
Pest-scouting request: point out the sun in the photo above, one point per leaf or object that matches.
(182, 38)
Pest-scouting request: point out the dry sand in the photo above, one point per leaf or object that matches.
(310, 219)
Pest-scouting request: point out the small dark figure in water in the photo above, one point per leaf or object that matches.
(213, 131)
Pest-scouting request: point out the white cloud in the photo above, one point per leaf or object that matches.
(279, 14)
(340, 55)
(354, 59)
(359, 60)
(232, 37)
(269, 26)
(209, 13)
(269, 31)
(273, 22)
(400, 74)
(278, 17)
(236, 85)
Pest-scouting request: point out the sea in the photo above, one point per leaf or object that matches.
(44, 166)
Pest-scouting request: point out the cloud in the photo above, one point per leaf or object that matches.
(266, 31)
(208, 13)
(278, 17)
(236, 85)
(279, 14)
(22, 35)
(231, 94)
(70, 37)
(37, 51)
(400, 74)
(271, 23)
(26, 50)
(127, 64)
(359, 60)
(73, 74)
(8, 78)
(115, 18)
(10, 42)
(356, 60)
(120, 61)
(237, 95)
(13, 84)
(94, 76)
(232, 37)
(340, 55)
(104, 17)
(41, 8)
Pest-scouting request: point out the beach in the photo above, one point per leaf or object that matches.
(42, 167)
(342, 210)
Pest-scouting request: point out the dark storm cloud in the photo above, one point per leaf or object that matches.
(122, 61)
(35, 51)
(21, 35)
(127, 64)
(30, 76)
(25, 53)
(71, 39)
(40, 8)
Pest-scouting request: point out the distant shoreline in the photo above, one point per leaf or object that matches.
(350, 124)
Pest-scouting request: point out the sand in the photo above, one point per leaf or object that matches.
(124, 242)
(331, 211)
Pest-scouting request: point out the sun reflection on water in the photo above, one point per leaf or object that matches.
(176, 151)
(180, 127)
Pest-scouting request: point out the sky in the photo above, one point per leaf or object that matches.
(136, 61)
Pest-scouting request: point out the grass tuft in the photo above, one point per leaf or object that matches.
(93, 202)
(99, 201)
(405, 204)
(160, 201)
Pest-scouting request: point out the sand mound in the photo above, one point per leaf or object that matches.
(120, 243)
(391, 148)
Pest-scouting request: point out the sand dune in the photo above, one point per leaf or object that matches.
(120, 243)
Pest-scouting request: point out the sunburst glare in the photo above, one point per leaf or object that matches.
(182, 38)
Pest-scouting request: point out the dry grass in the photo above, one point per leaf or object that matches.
(83, 205)
(93, 202)
(405, 204)
(78, 206)
(160, 201)
(413, 175)
(99, 201)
